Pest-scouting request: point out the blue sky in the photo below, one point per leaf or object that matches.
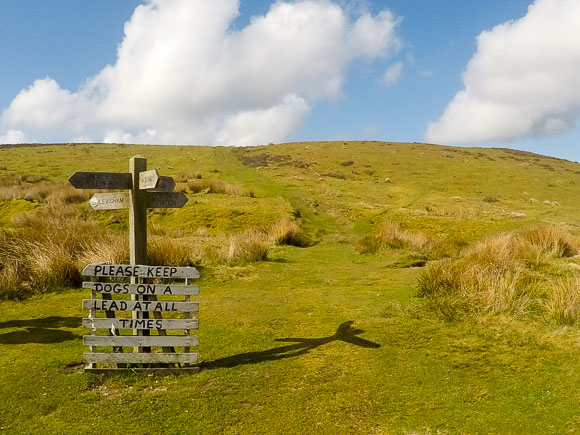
(195, 85)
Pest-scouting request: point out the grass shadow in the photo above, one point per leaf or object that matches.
(46, 322)
(41, 331)
(344, 333)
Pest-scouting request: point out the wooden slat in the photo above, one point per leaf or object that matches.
(141, 289)
(161, 306)
(143, 358)
(166, 199)
(135, 340)
(126, 270)
(101, 323)
(161, 371)
(110, 201)
(101, 180)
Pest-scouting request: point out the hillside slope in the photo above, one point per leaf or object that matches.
(318, 337)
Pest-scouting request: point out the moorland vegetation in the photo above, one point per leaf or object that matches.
(462, 265)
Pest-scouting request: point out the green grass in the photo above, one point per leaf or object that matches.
(280, 352)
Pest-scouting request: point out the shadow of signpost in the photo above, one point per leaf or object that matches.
(344, 333)
(44, 331)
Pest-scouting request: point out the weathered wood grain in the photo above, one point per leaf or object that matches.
(140, 306)
(135, 340)
(142, 358)
(110, 201)
(137, 270)
(166, 199)
(101, 180)
(101, 323)
(141, 289)
(157, 371)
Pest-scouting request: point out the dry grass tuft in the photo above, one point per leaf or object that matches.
(165, 251)
(250, 246)
(390, 235)
(108, 247)
(214, 186)
(287, 232)
(551, 241)
(187, 176)
(563, 303)
(10, 281)
(496, 276)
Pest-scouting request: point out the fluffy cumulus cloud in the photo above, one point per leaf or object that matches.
(183, 74)
(523, 81)
(13, 137)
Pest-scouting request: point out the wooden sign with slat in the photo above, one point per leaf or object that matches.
(160, 306)
(150, 358)
(116, 288)
(140, 189)
(142, 324)
(136, 340)
(126, 270)
(101, 180)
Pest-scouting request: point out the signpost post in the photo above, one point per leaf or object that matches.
(140, 189)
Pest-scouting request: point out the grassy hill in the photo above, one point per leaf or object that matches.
(313, 323)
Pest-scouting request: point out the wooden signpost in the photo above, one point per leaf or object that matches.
(140, 189)
(150, 298)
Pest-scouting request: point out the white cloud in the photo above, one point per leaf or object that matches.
(393, 74)
(183, 75)
(13, 137)
(523, 81)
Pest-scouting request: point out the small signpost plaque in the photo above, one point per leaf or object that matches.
(132, 284)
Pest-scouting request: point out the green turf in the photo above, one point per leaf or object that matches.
(318, 339)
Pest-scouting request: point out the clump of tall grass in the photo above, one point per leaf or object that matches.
(186, 176)
(168, 251)
(41, 263)
(106, 247)
(249, 246)
(214, 186)
(10, 280)
(563, 303)
(549, 241)
(496, 276)
(390, 235)
(285, 231)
